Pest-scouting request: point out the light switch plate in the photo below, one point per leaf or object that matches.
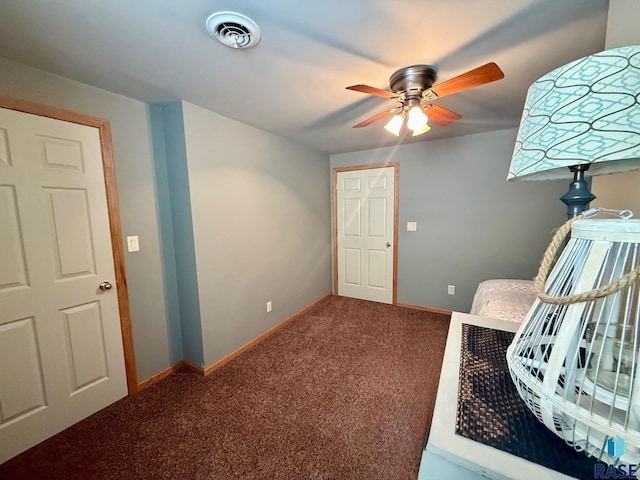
(412, 226)
(133, 245)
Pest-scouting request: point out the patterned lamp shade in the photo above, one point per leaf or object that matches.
(585, 112)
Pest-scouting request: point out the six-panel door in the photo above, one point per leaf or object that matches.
(365, 209)
(61, 354)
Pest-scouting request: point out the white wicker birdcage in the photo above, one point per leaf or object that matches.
(576, 365)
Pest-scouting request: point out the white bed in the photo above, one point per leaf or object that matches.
(503, 299)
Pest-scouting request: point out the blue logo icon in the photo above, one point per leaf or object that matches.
(615, 446)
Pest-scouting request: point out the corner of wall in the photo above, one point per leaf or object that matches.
(182, 232)
(165, 226)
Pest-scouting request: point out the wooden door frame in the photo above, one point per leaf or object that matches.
(104, 129)
(396, 183)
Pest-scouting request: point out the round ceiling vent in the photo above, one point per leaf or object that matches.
(233, 29)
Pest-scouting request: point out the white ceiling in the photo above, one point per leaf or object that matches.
(293, 82)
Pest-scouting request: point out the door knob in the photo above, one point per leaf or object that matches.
(104, 286)
(388, 244)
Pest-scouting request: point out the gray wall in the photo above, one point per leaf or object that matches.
(261, 216)
(262, 230)
(622, 190)
(177, 230)
(165, 223)
(133, 155)
(472, 224)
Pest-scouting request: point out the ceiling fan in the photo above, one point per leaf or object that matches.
(413, 88)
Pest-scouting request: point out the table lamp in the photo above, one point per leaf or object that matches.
(581, 119)
(575, 359)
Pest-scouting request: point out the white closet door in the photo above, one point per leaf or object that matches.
(365, 222)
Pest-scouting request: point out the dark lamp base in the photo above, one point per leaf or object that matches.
(578, 196)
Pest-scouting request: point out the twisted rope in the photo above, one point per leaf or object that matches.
(548, 261)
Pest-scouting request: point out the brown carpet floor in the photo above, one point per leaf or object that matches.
(344, 392)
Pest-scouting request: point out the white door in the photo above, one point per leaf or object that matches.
(365, 231)
(61, 352)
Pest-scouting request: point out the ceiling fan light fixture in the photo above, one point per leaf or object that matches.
(424, 129)
(417, 119)
(394, 125)
(415, 84)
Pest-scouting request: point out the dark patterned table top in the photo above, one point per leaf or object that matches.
(491, 412)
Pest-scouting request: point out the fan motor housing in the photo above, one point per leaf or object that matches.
(412, 79)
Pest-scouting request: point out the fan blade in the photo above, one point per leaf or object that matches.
(440, 115)
(478, 76)
(375, 118)
(372, 91)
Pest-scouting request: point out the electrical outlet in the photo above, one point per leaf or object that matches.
(451, 289)
(268, 306)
